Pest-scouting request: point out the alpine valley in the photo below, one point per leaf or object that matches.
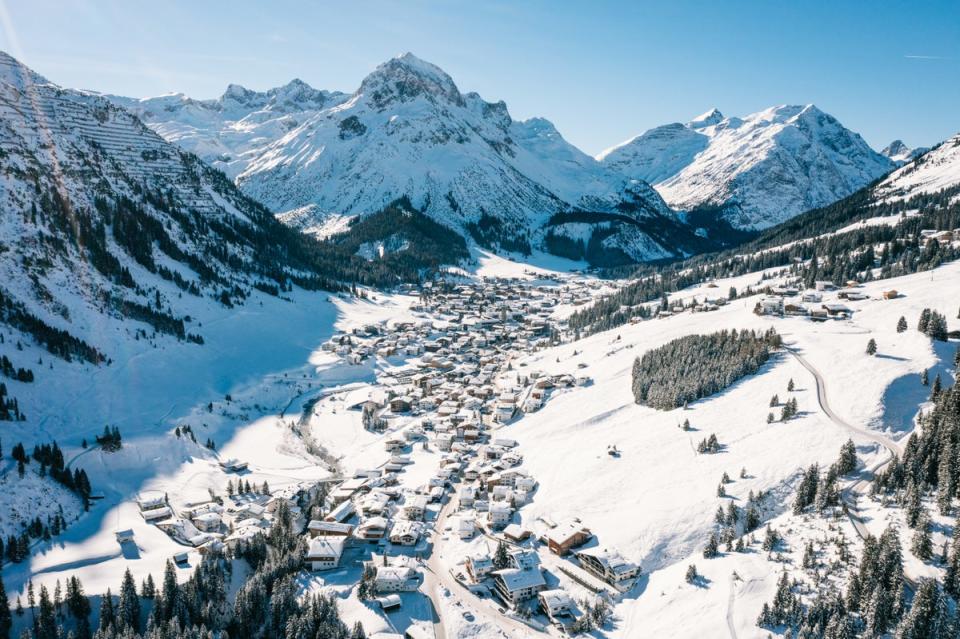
(386, 364)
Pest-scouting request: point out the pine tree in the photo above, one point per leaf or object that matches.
(936, 388)
(929, 617)
(107, 615)
(6, 619)
(901, 324)
(46, 619)
(924, 321)
(848, 458)
(148, 590)
(872, 347)
(921, 545)
(712, 549)
(500, 557)
(925, 378)
(691, 576)
(128, 612)
(790, 385)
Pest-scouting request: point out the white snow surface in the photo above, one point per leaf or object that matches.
(407, 130)
(760, 170)
(933, 171)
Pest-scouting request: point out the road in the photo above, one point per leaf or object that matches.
(861, 487)
(436, 576)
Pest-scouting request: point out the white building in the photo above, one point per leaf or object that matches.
(324, 552)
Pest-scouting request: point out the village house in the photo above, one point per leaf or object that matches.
(372, 529)
(415, 507)
(405, 533)
(517, 584)
(557, 605)
(499, 514)
(324, 553)
(607, 565)
(395, 579)
(329, 528)
(562, 539)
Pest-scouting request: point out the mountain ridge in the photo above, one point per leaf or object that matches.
(756, 171)
(408, 131)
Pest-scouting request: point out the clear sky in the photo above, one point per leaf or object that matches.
(601, 71)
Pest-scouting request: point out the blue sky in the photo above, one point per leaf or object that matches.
(601, 71)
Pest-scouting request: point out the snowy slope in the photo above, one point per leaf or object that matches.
(408, 130)
(231, 130)
(931, 172)
(109, 229)
(758, 170)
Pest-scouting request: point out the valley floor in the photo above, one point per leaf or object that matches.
(265, 393)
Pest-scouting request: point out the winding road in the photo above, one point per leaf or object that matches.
(861, 487)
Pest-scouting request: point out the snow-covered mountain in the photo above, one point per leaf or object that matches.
(315, 157)
(933, 171)
(900, 153)
(108, 230)
(754, 171)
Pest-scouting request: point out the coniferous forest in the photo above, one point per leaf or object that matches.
(696, 366)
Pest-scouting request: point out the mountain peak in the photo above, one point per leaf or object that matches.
(900, 153)
(407, 77)
(237, 93)
(17, 74)
(711, 117)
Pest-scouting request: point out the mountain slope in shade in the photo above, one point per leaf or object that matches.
(109, 231)
(899, 153)
(935, 170)
(754, 171)
(409, 131)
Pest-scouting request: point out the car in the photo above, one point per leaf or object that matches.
(502, 611)
(468, 615)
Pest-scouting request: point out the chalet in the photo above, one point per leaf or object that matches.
(401, 404)
(852, 295)
(395, 579)
(466, 528)
(405, 533)
(324, 553)
(557, 606)
(516, 533)
(479, 566)
(123, 536)
(233, 465)
(155, 514)
(207, 522)
(414, 507)
(318, 528)
(770, 305)
(607, 565)
(499, 514)
(468, 495)
(515, 584)
(341, 512)
(372, 529)
(444, 441)
(565, 537)
(837, 311)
